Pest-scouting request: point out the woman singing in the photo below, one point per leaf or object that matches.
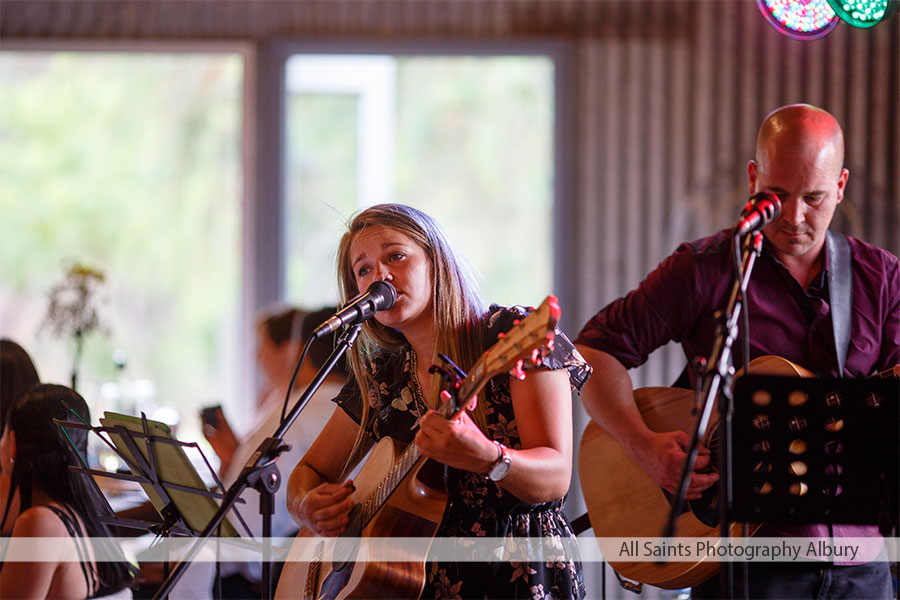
(508, 458)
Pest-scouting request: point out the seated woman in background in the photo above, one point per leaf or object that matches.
(508, 464)
(56, 502)
(17, 376)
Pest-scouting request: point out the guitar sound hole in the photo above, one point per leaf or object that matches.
(346, 546)
(706, 508)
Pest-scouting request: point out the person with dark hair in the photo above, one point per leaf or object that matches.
(56, 502)
(17, 376)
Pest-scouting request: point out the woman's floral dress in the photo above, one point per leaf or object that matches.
(479, 507)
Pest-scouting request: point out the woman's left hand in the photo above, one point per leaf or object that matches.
(456, 442)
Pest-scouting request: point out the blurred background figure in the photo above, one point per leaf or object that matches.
(17, 376)
(281, 334)
(55, 502)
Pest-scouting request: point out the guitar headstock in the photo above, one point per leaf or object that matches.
(530, 338)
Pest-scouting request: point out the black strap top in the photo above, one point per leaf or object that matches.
(74, 528)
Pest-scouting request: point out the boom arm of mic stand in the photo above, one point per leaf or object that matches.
(267, 452)
(718, 372)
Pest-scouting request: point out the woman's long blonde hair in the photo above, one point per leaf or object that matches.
(457, 308)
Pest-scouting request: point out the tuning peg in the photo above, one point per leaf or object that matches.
(516, 322)
(537, 358)
(549, 343)
(501, 335)
(518, 372)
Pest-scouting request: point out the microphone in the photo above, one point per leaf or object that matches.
(381, 295)
(761, 209)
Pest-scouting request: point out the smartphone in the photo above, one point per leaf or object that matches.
(212, 416)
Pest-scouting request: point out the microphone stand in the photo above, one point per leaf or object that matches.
(716, 378)
(261, 473)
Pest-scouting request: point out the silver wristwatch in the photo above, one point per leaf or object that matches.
(500, 469)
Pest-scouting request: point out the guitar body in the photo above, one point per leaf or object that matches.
(412, 510)
(623, 500)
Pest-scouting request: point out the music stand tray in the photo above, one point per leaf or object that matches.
(821, 450)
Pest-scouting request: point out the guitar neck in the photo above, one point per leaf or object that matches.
(408, 460)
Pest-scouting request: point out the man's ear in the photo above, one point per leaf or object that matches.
(842, 184)
(751, 177)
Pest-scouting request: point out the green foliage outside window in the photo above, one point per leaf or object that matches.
(128, 163)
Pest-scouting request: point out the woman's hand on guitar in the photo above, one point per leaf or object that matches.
(663, 457)
(456, 442)
(324, 510)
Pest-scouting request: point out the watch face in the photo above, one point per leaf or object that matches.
(500, 469)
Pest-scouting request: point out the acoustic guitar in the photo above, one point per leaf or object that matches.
(393, 496)
(623, 500)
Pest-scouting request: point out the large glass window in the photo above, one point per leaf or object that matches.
(128, 164)
(467, 139)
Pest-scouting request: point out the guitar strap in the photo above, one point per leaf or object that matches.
(840, 291)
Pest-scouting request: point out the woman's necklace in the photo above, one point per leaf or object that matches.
(414, 382)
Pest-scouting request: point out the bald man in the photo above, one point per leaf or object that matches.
(799, 157)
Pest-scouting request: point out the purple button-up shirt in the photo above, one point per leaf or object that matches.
(677, 301)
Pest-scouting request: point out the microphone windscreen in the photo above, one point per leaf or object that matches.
(383, 293)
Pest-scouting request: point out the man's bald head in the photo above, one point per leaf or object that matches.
(800, 130)
(800, 157)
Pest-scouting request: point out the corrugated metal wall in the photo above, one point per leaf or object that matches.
(669, 121)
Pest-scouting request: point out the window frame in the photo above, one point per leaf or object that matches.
(271, 130)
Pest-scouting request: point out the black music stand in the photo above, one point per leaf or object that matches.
(816, 451)
(158, 463)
